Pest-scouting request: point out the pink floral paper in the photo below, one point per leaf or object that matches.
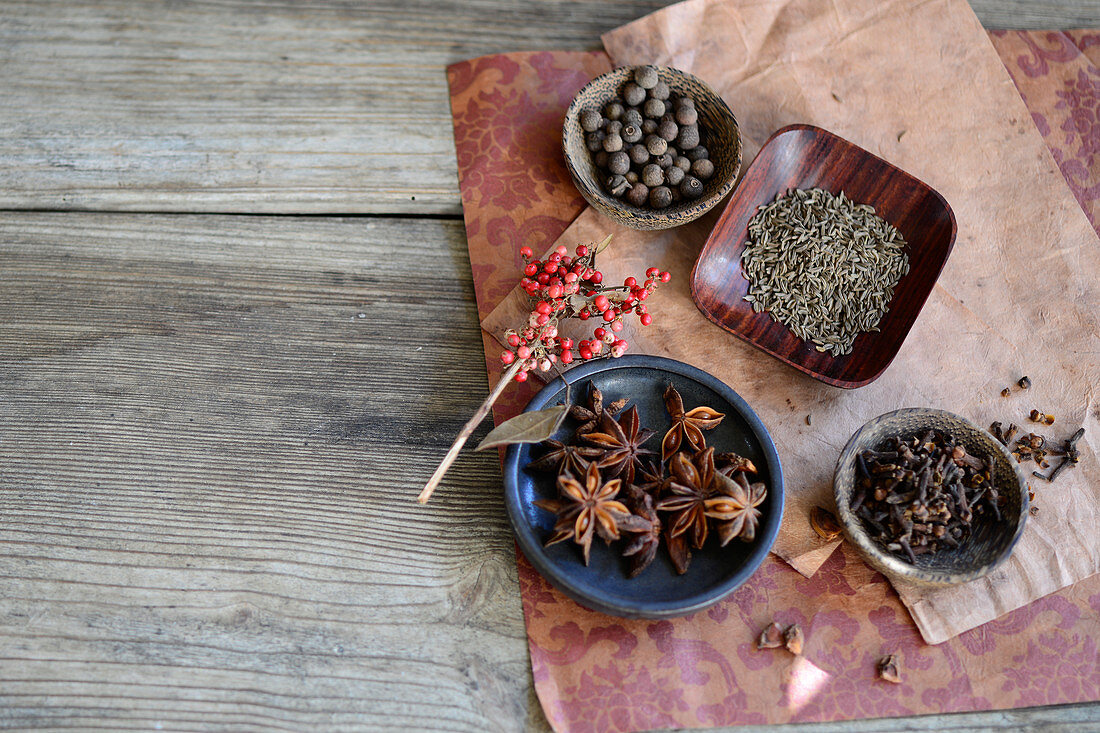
(597, 673)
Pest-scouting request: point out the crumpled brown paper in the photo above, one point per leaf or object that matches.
(920, 86)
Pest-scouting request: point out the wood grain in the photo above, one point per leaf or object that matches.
(211, 432)
(208, 458)
(260, 106)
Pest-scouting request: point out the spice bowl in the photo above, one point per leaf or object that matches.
(804, 157)
(991, 541)
(658, 591)
(720, 133)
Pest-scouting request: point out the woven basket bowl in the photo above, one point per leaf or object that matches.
(717, 127)
(991, 542)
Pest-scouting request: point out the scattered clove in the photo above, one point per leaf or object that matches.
(887, 669)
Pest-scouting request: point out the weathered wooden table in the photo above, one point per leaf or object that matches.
(237, 330)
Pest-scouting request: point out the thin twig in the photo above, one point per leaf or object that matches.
(467, 431)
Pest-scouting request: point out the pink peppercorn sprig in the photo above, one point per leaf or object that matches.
(564, 287)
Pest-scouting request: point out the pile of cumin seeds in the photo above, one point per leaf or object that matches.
(823, 266)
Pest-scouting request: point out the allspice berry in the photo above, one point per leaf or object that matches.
(688, 137)
(633, 94)
(683, 163)
(632, 177)
(660, 91)
(697, 153)
(649, 126)
(646, 77)
(638, 194)
(667, 128)
(590, 120)
(664, 161)
(613, 110)
(674, 176)
(654, 108)
(600, 158)
(638, 154)
(702, 169)
(691, 188)
(653, 175)
(613, 127)
(632, 116)
(631, 133)
(660, 197)
(618, 162)
(686, 115)
(613, 143)
(656, 145)
(594, 140)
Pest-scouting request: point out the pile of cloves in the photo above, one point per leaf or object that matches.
(919, 494)
(1034, 447)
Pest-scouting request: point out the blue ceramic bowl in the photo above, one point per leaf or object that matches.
(658, 592)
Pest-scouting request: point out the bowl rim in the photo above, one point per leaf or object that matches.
(532, 546)
(626, 213)
(896, 567)
(752, 170)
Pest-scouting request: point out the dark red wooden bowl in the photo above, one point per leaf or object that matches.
(803, 156)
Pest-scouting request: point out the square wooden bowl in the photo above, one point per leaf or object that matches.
(803, 156)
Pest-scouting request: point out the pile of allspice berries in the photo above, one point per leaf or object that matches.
(646, 143)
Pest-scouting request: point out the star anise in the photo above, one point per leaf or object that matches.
(731, 463)
(589, 416)
(686, 426)
(678, 551)
(622, 442)
(588, 508)
(562, 458)
(686, 502)
(652, 479)
(735, 507)
(644, 542)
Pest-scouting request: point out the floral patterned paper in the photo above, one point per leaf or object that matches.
(597, 673)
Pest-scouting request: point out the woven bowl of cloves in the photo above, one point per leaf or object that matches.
(930, 498)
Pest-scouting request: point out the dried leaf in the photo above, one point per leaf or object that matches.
(527, 427)
(602, 245)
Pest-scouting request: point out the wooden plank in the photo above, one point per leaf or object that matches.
(258, 106)
(208, 464)
(212, 433)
